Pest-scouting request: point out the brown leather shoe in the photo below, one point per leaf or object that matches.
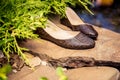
(66, 39)
(75, 23)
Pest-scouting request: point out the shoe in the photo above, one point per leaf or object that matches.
(75, 23)
(66, 39)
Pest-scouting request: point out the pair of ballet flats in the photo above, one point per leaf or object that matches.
(82, 36)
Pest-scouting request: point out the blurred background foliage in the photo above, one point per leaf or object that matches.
(4, 71)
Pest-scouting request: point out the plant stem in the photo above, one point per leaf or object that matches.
(20, 52)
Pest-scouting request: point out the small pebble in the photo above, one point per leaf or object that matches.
(14, 70)
(35, 61)
(1, 54)
(44, 63)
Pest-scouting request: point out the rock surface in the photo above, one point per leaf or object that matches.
(85, 73)
(93, 73)
(28, 74)
(107, 47)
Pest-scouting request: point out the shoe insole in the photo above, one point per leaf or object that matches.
(73, 17)
(59, 33)
(56, 20)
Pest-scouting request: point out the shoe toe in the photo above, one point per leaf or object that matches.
(81, 41)
(88, 30)
(85, 41)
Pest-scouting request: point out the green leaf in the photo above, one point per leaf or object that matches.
(2, 42)
(3, 76)
(43, 78)
(61, 74)
(5, 69)
(59, 71)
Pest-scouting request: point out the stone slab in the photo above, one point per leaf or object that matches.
(84, 73)
(28, 74)
(107, 47)
(93, 73)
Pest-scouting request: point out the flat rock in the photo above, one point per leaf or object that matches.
(85, 73)
(107, 47)
(93, 73)
(28, 74)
